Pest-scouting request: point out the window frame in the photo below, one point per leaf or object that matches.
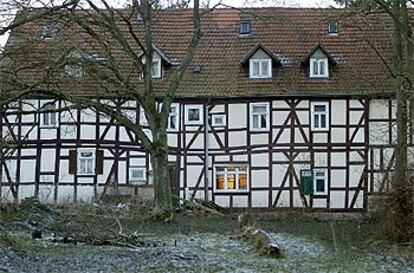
(215, 124)
(326, 181)
(325, 74)
(137, 180)
(249, 28)
(159, 70)
(42, 116)
(327, 114)
(226, 166)
(177, 117)
(52, 28)
(260, 61)
(333, 31)
(78, 161)
(261, 129)
(199, 107)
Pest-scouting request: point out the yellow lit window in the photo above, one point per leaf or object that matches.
(231, 178)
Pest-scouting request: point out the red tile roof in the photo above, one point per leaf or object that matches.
(288, 32)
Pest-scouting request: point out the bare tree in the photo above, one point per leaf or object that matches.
(110, 31)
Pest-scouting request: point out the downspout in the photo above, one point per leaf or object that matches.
(206, 144)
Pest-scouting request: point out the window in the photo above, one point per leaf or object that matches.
(259, 116)
(219, 120)
(332, 27)
(319, 68)
(173, 119)
(156, 71)
(320, 181)
(86, 162)
(260, 68)
(319, 116)
(49, 31)
(137, 174)
(244, 28)
(74, 71)
(194, 114)
(230, 178)
(48, 119)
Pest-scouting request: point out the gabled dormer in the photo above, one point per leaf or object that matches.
(319, 63)
(159, 62)
(261, 62)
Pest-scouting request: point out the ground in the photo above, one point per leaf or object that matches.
(201, 243)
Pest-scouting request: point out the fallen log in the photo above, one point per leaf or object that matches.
(260, 239)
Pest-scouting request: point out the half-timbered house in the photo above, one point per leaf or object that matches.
(280, 108)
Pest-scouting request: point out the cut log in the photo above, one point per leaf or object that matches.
(260, 239)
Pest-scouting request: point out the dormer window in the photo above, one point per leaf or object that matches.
(260, 68)
(156, 70)
(245, 28)
(332, 27)
(74, 67)
(319, 68)
(49, 32)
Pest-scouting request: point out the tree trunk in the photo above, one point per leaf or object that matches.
(400, 193)
(163, 206)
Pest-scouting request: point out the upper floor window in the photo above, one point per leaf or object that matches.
(332, 27)
(259, 116)
(319, 116)
(244, 28)
(319, 68)
(230, 178)
(194, 114)
(49, 31)
(48, 117)
(218, 120)
(173, 118)
(260, 68)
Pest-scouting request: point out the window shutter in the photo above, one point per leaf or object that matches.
(99, 162)
(73, 160)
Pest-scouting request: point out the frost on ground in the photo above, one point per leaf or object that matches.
(196, 252)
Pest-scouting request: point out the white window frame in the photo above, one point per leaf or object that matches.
(326, 113)
(252, 114)
(79, 158)
(319, 61)
(325, 177)
(215, 123)
(237, 172)
(156, 63)
(175, 115)
(51, 29)
(138, 180)
(199, 107)
(261, 75)
(49, 116)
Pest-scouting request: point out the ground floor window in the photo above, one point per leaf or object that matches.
(320, 181)
(231, 178)
(137, 174)
(86, 161)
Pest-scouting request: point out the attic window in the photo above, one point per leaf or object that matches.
(332, 27)
(49, 31)
(244, 28)
(197, 68)
(319, 68)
